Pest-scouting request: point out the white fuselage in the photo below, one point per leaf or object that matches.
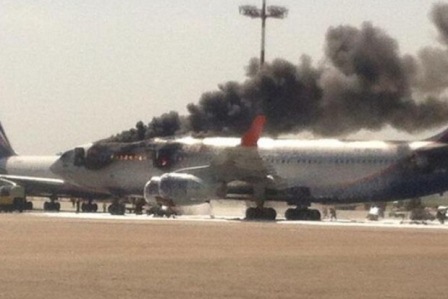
(331, 169)
(32, 166)
(334, 170)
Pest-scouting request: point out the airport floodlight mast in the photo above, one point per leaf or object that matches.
(277, 12)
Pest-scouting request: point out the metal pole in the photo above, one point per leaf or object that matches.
(263, 32)
(277, 12)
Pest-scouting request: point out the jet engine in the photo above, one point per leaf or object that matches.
(175, 189)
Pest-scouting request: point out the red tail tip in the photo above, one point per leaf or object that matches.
(250, 138)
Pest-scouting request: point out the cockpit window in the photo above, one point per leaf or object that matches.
(79, 156)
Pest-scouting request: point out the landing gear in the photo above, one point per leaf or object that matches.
(302, 214)
(52, 205)
(161, 211)
(260, 213)
(116, 208)
(28, 205)
(89, 206)
(19, 204)
(139, 204)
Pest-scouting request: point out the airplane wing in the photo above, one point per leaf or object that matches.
(30, 180)
(242, 163)
(34, 186)
(239, 163)
(38, 186)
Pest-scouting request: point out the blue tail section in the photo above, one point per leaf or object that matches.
(5, 147)
(442, 137)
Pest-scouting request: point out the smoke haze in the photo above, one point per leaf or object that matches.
(364, 82)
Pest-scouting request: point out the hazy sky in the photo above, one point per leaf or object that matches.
(72, 72)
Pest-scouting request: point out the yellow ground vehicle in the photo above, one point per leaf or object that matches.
(12, 198)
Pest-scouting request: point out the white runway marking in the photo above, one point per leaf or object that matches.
(133, 217)
(385, 223)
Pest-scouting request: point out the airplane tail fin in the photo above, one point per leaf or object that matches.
(5, 147)
(441, 137)
(250, 138)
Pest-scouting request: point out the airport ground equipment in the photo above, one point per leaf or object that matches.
(12, 198)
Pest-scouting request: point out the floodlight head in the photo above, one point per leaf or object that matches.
(250, 11)
(277, 12)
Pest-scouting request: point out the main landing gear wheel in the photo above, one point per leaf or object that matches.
(116, 209)
(52, 206)
(261, 214)
(89, 207)
(302, 214)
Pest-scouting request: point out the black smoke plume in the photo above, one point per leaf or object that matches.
(364, 83)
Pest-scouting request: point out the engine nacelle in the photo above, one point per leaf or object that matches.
(151, 190)
(179, 188)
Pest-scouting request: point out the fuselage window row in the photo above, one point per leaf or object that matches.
(330, 161)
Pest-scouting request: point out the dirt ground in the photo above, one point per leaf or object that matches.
(44, 257)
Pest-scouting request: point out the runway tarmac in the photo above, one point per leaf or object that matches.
(344, 222)
(69, 255)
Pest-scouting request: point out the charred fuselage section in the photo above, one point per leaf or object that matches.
(121, 169)
(98, 156)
